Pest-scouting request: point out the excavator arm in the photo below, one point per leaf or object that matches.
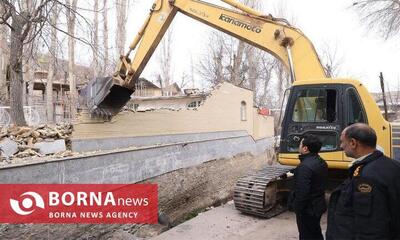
(315, 105)
(106, 96)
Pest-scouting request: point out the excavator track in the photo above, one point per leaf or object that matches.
(262, 193)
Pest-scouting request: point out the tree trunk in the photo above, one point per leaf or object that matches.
(165, 58)
(31, 84)
(219, 69)
(71, 56)
(24, 95)
(95, 61)
(16, 79)
(27, 60)
(51, 71)
(105, 38)
(3, 62)
(236, 65)
(121, 23)
(253, 70)
(30, 81)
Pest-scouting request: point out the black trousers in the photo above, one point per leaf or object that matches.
(309, 226)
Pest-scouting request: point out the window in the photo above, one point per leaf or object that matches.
(194, 104)
(355, 111)
(329, 141)
(315, 105)
(243, 116)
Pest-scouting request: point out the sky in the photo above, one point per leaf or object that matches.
(364, 53)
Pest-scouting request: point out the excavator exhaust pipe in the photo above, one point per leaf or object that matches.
(104, 98)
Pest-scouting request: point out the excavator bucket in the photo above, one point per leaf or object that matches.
(104, 98)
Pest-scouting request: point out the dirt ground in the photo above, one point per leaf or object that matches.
(225, 222)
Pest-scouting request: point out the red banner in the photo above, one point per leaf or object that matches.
(78, 203)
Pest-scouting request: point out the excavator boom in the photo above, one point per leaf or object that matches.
(106, 96)
(316, 104)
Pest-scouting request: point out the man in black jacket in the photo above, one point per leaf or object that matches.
(367, 204)
(310, 180)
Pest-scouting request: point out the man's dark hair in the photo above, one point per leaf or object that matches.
(362, 133)
(312, 142)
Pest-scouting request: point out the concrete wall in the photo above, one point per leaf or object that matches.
(89, 145)
(180, 193)
(131, 165)
(219, 112)
(263, 126)
(186, 190)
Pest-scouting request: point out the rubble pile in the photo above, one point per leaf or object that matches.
(39, 141)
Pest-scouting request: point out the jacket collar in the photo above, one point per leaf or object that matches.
(370, 158)
(304, 156)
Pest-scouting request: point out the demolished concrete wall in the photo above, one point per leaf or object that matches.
(221, 111)
(132, 164)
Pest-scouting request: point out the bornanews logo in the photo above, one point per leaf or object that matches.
(27, 203)
(78, 203)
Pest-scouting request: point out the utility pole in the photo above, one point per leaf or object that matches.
(383, 95)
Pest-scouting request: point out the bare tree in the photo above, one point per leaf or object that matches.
(236, 67)
(122, 8)
(331, 59)
(210, 67)
(105, 37)
(95, 39)
(3, 57)
(382, 15)
(29, 78)
(71, 18)
(283, 78)
(393, 94)
(263, 86)
(52, 67)
(192, 72)
(239, 63)
(31, 51)
(184, 80)
(224, 60)
(25, 16)
(165, 58)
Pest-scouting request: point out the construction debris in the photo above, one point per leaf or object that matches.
(8, 147)
(51, 147)
(39, 141)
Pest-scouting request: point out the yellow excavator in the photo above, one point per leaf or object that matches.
(315, 104)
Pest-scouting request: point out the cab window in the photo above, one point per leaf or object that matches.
(356, 112)
(315, 106)
(329, 141)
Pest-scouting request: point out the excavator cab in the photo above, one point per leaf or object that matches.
(312, 109)
(325, 108)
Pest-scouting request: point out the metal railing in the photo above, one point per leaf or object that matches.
(32, 116)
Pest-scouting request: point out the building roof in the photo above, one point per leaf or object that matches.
(173, 87)
(146, 83)
(83, 73)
